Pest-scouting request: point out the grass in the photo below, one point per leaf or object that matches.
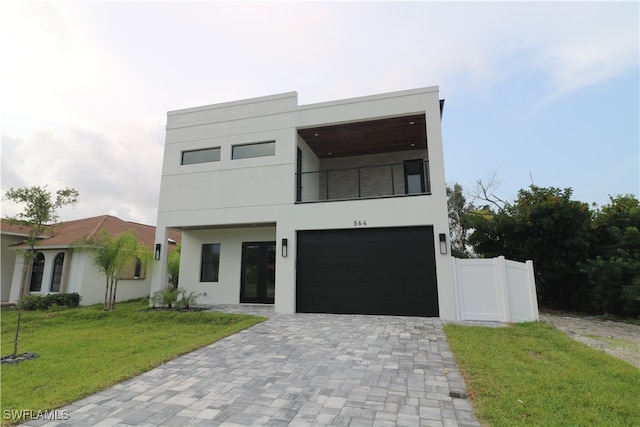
(86, 349)
(532, 374)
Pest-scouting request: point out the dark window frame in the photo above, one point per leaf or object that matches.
(412, 164)
(196, 161)
(236, 155)
(37, 271)
(137, 270)
(56, 274)
(212, 274)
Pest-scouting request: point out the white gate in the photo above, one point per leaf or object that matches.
(495, 289)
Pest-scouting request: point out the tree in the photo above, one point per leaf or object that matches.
(38, 215)
(546, 226)
(459, 222)
(173, 266)
(111, 254)
(613, 267)
(486, 192)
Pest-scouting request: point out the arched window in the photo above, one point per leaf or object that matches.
(36, 273)
(56, 277)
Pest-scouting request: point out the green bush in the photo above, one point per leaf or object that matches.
(186, 300)
(165, 298)
(43, 302)
(33, 302)
(66, 300)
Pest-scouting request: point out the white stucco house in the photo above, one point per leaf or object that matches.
(59, 267)
(336, 207)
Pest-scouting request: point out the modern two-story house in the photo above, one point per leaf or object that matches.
(335, 207)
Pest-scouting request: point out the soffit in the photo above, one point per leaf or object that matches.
(367, 137)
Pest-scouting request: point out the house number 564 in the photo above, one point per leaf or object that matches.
(359, 223)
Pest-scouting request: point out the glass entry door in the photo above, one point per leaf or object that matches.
(258, 278)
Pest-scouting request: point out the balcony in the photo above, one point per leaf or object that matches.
(364, 182)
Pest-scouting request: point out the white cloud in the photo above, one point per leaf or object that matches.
(117, 174)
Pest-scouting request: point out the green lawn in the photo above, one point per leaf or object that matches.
(86, 349)
(532, 374)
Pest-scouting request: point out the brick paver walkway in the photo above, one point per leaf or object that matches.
(295, 370)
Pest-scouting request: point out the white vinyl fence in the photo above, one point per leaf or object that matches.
(495, 289)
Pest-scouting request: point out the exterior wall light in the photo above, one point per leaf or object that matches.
(443, 243)
(158, 247)
(284, 247)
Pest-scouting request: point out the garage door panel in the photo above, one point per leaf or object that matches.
(373, 270)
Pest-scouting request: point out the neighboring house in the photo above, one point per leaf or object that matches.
(59, 267)
(335, 207)
(10, 235)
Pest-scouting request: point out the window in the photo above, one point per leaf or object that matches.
(259, 149)
(36, 273)
(414, 176)
(210, 265)
(201, 156)
(137, 269)
(56, 277)
(132, 270)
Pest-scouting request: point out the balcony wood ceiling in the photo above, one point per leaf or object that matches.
(369, 137)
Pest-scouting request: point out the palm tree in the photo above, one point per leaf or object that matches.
(111, 254)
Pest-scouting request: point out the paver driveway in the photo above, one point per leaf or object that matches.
(297, 370)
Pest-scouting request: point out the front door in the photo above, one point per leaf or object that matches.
(258, 278)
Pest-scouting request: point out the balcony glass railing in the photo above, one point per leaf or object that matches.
(364, 182)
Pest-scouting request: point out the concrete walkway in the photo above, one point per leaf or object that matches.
(294, 370)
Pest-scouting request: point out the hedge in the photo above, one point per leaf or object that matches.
(43, 302)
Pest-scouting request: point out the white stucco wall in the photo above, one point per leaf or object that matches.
(79, 275)
(244, 192)
(227, 289)
(8, 258)
(89, 282)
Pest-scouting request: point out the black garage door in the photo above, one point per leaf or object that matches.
(367, 271)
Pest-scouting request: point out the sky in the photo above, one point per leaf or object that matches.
(535, 92)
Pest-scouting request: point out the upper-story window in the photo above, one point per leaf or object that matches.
(259, 149)
(201, 156)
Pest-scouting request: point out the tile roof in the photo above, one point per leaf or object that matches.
(8, 227)
(65, 233)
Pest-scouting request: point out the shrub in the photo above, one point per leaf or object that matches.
(43, 302)
(156, 299)
(34, 302)
(169, 296)
(165, 297)
(186, 300)
(66, 300)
